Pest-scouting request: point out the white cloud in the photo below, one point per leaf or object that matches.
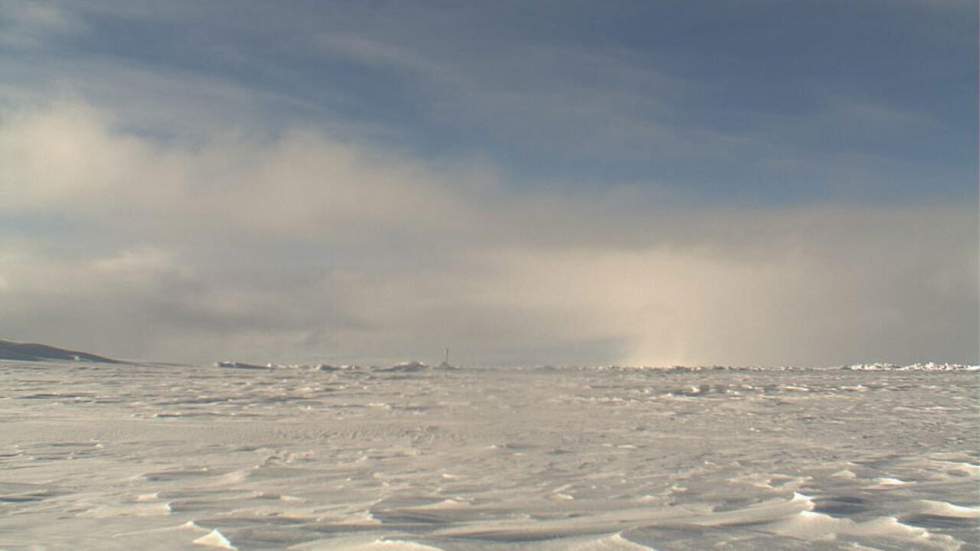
(304, 246)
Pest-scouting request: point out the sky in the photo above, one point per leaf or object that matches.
(550, 182)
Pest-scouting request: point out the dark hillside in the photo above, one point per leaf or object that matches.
(31, 352)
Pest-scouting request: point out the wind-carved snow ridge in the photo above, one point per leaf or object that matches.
(215, 539)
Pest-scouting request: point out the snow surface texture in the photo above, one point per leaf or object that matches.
(141, 457)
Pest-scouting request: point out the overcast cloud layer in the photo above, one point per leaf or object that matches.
(591, 202)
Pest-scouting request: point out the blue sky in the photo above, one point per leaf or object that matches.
(621, 132)
(754, 102)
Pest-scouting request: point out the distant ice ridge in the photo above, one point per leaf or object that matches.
(241, 365)
(417, 366)
(928, 366)
(674, 368)
(308, 367)
(405, 367)
(876, 366)
(409, 366)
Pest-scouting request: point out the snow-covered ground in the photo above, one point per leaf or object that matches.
(140, 457)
